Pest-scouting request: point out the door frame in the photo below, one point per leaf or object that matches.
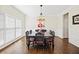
(66, 26)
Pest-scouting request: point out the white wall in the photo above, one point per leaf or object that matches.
(73, 29)
(30, 22)
(51, 23)
(60, 26)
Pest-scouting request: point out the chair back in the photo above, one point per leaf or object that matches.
(53, 33)
(39, 36)
(37, 30)
(43, 30)
(27, 33)
(30, 31)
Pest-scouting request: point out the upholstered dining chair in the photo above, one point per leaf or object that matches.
(50, 40)
(39, 39)
(29, 40)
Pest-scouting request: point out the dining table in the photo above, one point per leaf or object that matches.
(46, 36)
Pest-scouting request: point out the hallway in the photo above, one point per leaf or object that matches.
(61, 47)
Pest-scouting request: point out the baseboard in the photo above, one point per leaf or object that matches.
(59, 37)
(65, 38)
(9, 43)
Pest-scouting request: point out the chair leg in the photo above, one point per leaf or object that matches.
(53, 45)
(50, 45)
(28, 46)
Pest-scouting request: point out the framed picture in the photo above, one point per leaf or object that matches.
(76, 19)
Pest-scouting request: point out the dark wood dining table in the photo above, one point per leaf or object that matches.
(46, 35)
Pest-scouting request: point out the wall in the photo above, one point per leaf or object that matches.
(73, 29)
(60, 26)
(30, 22)
(51, 23)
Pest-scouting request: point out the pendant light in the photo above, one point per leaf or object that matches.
(41, 17)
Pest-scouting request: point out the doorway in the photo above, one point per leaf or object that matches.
(65, 26)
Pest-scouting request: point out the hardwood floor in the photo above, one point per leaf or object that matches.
(61, 46)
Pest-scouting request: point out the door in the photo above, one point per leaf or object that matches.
(65, 25)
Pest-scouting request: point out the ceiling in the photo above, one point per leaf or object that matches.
(33, 10)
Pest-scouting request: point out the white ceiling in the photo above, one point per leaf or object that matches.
(33, 10)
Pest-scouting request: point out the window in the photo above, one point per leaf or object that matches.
(10, 35)
(1, 29)
(18, 23)
(18, 28)
(1, 21)
(10, 22)
(10, 28)
(1, 37)
(18, 32)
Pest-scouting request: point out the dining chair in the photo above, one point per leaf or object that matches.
(29, 40)
(27, 33)
(50, 40)
(52, 32)
(39, 39)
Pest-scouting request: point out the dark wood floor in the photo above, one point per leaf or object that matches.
(61, 46)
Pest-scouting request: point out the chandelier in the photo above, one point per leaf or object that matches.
(41, 17)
